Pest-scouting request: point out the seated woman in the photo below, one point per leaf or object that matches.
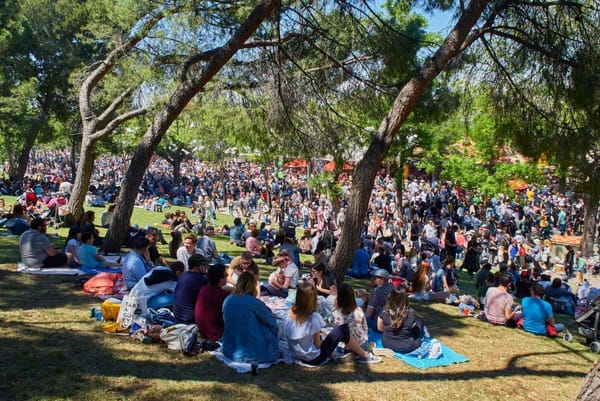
(88, 254)
(421, 284)
(250, 329)
(402, 328)
(303, 328)
(345, 311)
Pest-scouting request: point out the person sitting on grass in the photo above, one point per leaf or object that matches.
(137, 262)
(537, 313)
(36, 249)
(499, 303)
(303, 328)
(189, 285)
(88, 254)
(402, 328)
(284, 278)
(345, 311)
(250, 329)
(208, 311)
(378, 297)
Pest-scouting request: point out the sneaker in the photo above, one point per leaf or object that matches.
(370, 358)
(342, 358)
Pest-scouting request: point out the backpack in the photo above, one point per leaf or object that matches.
(181, 337)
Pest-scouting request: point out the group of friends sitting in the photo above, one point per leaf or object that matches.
(227, 306)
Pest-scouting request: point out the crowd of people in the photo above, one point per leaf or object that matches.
(420, 236)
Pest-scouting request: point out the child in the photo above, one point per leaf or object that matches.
(303, 327)
(346, 312)
(402, 328)
(88, 253)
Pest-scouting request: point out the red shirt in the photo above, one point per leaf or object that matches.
(208, 312)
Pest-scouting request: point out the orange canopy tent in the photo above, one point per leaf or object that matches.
(296, 163)
(331, 166)
(518, 185)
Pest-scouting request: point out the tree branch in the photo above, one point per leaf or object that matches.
(116, 122)
(114, 105)
(106, 65)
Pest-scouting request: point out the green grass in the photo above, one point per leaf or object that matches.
(51, 350)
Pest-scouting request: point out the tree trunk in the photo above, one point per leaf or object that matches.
(590, 389)
(82, 176)
(21, 167)
(590, 225)
(405, 102)
(186, 89)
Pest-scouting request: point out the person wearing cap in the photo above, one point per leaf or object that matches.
(36, 249)
(378, 297)
(188, 286)
(284, 278)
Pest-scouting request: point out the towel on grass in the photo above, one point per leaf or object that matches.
(63, 270)
(447, 358)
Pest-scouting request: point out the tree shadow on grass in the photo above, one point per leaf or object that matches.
(29, 291)
(42, 360)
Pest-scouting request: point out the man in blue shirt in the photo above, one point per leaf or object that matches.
(360, 265)
(537, 313)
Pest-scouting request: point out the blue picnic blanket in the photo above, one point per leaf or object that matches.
(419, 357)
(95, 270)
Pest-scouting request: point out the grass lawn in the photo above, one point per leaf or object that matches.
(52, 350)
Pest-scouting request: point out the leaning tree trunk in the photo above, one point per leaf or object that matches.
(590, 389)
(83, 176)
(590, 224)
(23, 160)
(364, 174)
(187, 88)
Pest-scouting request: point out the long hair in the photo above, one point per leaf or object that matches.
(419, 280)
(346, 301)
(246, 284)
(397, 307)
(306, 302)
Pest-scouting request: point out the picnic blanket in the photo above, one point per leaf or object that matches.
(416, 358)
(63, 270)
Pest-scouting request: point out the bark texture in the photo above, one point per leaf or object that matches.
(590, 389)
(364, 175)
(186, 89)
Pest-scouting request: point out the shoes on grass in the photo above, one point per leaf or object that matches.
(370, 358)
